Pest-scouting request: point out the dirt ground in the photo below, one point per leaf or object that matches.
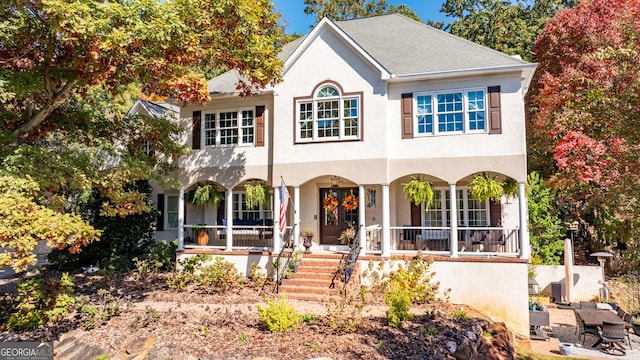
(194, 324)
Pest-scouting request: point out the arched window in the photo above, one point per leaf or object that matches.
(329, 115)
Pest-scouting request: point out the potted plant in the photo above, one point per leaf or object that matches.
(296, 259)
(307, 236)
(483, 188)
(510, 187)
(419, 191)
(202, 234)
(256, 194)
(204, 195)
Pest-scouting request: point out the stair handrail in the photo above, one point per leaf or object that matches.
(280, 268)
(348, 261)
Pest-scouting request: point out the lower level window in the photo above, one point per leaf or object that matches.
(240, 210)
(171, 212)
(471, 212)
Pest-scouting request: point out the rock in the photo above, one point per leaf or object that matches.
(139, 348)
(470, 335)
(452, 346)
(466, 351)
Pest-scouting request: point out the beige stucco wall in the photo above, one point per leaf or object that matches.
(586, 280)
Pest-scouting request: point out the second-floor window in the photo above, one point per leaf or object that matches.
(235, 127)
(330, 115)
(451, 112)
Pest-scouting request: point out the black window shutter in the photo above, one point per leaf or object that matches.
(495, 120)
(407, 116)
(197, 124)
(160, 208)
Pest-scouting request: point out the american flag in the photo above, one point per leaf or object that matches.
(284, 202)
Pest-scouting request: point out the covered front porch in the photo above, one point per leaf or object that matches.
(383, 219)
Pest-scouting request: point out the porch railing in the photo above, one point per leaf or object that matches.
(436, 240)
(244, 237)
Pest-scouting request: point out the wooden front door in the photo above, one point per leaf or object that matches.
(334, 218)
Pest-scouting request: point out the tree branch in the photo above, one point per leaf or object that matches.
(41, 115)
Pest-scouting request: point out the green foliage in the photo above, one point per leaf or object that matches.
(98, 312)
(256, 194)
(204, 195)
(483, 188)
(399, 302)
(419, 191)
(23, 221)
(546, 230)
(346, 314)
(460, 314)
(308, 318)
(415, 280)
(122, 240)
(279, 316)
(510, 187)
(219, 277)
(432, 331)
(257, 275)
(42, 301)
(507, 26)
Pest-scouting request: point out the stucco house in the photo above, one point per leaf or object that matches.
(364, 106)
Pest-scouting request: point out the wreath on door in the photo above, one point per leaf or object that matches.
(350, 202)
(330, 202)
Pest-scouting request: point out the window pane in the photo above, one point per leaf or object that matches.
(433, 217)
(209, 129)
(450, 113)
(306, 120)
(350, 115)
(425, 114)
(328, 91)
(172, 212)
(476, 110)
(229, 128)
(477, 212)
(247, 127)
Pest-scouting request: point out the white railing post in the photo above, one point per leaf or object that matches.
(362, 220)
(296, 215)
(525, 247)
(453, 237)
(386, 221)
(277, 242)
(229, 215)
(180, 219)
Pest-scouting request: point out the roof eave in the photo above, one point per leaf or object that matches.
(526, 70)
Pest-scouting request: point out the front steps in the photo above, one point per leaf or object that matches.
(313, 279)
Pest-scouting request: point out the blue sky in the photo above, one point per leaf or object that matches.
(297, 21)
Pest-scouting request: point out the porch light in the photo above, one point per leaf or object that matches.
(335, 182)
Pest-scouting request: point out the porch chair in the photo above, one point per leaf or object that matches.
(612, 337)
(590, 305)
(582, 329)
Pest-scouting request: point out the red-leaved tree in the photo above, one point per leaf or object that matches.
(586, 115)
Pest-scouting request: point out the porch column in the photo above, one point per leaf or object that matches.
(525, 246)
(229, 209)
(362, 220)
(386, 234)
(277, 242)
(296, 214)
(181, 220)
(453, 238)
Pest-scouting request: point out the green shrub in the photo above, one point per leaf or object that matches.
(94, 314)
(414, 280)
(257, 275)
(219, 277)
(399, 302)
(123, 238)
(39, 302)
(279, 316)
(346, 314)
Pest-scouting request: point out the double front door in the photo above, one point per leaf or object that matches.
(335, 217)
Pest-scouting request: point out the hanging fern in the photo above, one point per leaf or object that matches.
(510, 187)
(419, 191)
(484, 188)
(256, 194)
(206, 194)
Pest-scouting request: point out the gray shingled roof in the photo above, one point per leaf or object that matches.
(154, 110)
(404, 46)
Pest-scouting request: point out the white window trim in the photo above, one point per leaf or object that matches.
(341, 119)
(166, 211)
(217, 112)
(263, 210)
(465, 208)
(465, 108)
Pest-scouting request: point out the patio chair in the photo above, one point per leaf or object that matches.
(612, 337)
(588, 305)
(582, 329)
